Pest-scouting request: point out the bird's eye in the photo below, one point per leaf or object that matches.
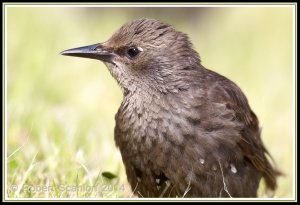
(133, 51)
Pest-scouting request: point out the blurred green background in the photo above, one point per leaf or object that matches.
(61, 110)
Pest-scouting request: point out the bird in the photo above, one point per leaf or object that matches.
(183, 130)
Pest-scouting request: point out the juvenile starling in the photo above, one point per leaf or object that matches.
(183, 130)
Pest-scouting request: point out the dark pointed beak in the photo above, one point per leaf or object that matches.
(95, 51)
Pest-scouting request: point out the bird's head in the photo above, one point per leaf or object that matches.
(146, 54)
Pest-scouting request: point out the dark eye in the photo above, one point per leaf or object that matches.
(133, 51)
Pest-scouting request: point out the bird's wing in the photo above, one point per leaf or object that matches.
(250, 142)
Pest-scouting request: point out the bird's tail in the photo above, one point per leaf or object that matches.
(270, 172)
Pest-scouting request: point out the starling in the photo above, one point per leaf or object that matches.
(182, 130)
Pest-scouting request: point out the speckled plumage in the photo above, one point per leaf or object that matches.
(183, 130)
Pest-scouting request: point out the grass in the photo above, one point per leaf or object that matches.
(60, 110)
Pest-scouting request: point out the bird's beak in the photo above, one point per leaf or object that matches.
(95, 51)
